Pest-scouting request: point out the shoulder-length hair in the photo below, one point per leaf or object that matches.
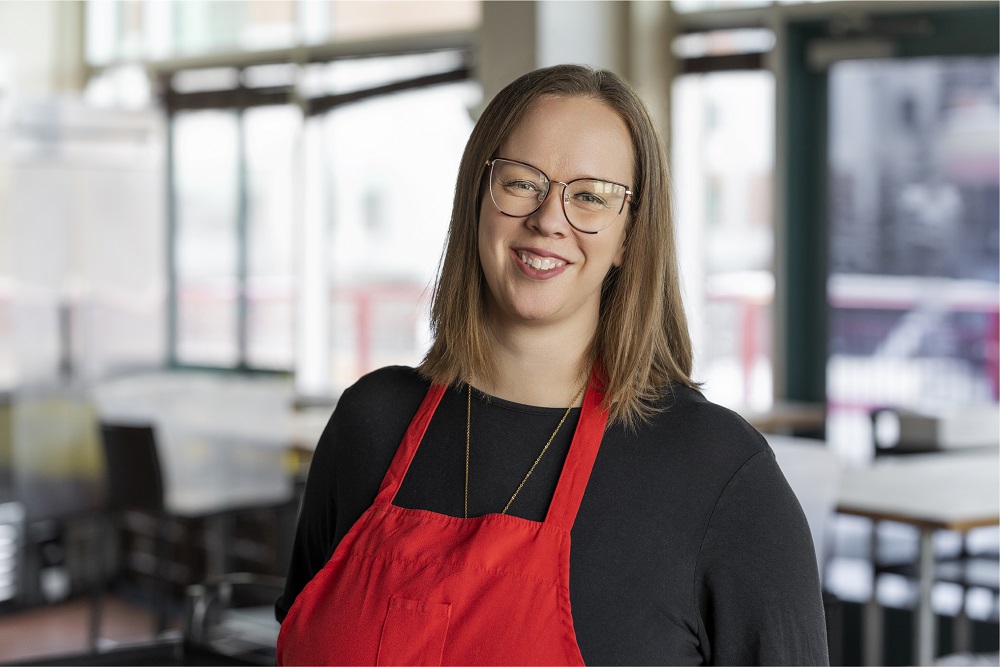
(642, 337)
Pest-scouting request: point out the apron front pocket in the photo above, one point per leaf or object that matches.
(414, 633)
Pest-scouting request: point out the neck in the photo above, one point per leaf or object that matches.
(541, 366)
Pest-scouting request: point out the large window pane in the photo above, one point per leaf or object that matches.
(271, 143)
(388, 170)
(914, 238)
(206, 191)
(723, 157)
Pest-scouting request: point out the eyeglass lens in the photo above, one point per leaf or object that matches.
(590, 204)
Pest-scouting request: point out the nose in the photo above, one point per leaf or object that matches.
(550, 218)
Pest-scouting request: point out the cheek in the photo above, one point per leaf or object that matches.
(617, 249)
(620, 254)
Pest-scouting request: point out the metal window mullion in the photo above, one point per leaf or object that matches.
(173, 319)
(324, 103)
(242, 244)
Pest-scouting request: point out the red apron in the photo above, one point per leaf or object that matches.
(414, 587)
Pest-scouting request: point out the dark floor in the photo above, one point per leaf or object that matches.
(64, 628)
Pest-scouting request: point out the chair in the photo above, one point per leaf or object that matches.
(133, 481)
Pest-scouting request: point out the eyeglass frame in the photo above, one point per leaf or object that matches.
(492, 161)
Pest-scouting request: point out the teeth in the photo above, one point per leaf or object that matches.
(541, 263)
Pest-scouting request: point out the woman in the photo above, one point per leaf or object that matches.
(554, 408)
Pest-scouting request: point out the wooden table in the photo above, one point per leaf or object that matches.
(955, 491)
(787, 417)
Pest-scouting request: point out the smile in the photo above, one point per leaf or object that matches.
(540, 263)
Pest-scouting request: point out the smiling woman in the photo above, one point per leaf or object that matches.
(555, 407)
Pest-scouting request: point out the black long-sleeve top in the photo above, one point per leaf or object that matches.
(689, 547)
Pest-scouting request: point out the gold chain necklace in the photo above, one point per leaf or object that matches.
(468, 440)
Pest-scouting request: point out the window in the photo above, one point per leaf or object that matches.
(723, 159)
(308, 242)
(377, 206)
(206, 186)
(388, 166)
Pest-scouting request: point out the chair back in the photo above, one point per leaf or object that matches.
(133, 475)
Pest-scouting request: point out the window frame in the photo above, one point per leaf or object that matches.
(241, 98)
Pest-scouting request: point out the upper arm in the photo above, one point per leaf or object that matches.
(316, 527)
(757, 585)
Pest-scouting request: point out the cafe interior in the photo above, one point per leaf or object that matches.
(208, 230)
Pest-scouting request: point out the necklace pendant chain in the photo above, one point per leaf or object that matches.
(468, 440)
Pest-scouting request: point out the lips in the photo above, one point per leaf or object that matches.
(540, 260)
(539, 264)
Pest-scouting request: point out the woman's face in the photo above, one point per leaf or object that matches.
(566, 138)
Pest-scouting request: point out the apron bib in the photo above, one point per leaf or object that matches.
(414, 587)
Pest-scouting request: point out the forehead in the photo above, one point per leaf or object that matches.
(572, 137)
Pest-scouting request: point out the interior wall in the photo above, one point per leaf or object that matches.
(82, 217)
(581, 32)
(41, 47)
(626, 37)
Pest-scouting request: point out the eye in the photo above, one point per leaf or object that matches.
(522, 186)
(590, 199)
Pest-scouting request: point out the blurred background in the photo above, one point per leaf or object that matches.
(211, 224)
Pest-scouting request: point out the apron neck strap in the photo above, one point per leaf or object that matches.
(408, 447)
(581, 456)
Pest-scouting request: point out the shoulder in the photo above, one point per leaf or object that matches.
(391, 388)
(705, 433)
(392, 381)
(686, 455)
(375, 409)
(690, 452)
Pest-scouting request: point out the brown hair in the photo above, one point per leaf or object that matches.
(642, 337)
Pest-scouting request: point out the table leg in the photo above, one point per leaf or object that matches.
(871, 635)
(962, 642)
(924, 626)
(963, 629)
(218, 534)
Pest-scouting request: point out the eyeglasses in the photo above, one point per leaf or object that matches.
(589, 204)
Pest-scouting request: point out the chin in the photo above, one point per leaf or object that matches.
(530, 315)
(535, 313)
(529, 311)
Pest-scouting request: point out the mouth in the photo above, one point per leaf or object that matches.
(539, 260)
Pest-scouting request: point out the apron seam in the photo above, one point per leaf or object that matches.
(493, 516)
(384, 556)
